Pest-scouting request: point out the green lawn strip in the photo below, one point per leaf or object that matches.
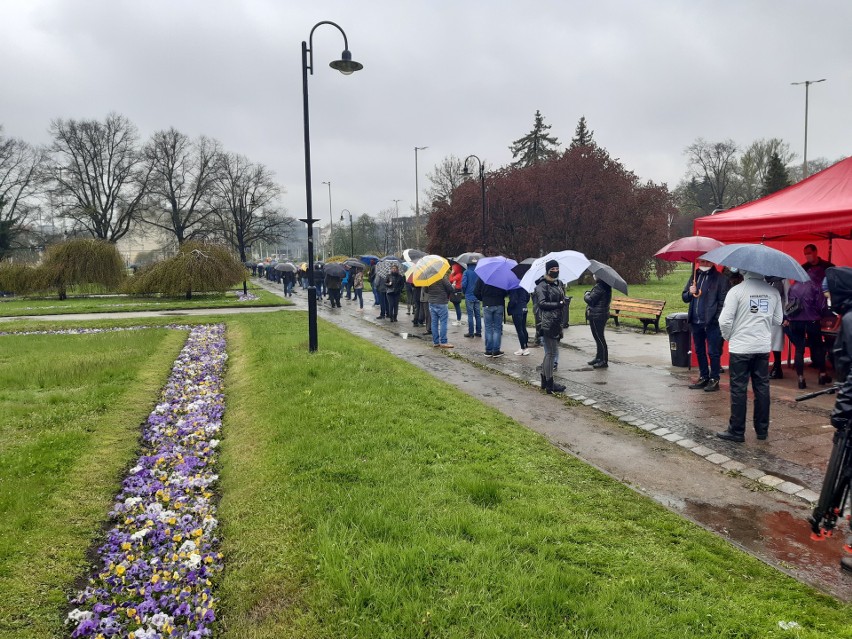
(115, 304)
(363, 498)
(70, 415)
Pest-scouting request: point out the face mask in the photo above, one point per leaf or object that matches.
(553, 274)
(704, 269)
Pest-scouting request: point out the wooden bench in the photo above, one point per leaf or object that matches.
(639, 309)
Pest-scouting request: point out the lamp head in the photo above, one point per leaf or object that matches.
(466, 171)
(346, 65)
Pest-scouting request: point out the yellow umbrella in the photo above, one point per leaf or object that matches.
(429, 269)
(303, 266)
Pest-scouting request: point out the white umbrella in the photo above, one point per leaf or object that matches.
(572, 264)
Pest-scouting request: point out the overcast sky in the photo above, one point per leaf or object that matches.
(459, 77)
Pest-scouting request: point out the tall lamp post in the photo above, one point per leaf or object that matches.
(346, 65)
(807, 84)
(417, 198)
(330, 223)
(467, 173)
(397, 234)
(351, 233)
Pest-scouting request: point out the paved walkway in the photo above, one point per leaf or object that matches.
(643, 389)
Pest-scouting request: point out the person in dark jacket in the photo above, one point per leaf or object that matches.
(840, 291)
(492, 299)
(804, 325)
(517, 308)
(438, 296)
(333, 286)
(382, 290)
(394, 283)
(598, 300)
(705, 294)
(549, 298)
(469, 280)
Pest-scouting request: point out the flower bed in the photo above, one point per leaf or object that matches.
(155, 569)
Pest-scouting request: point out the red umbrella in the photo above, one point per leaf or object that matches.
(687, 249)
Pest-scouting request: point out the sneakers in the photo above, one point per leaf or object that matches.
(477, 334)
(489, 354)
(526, 351)
(711, 386)
(497, 354)
(605, 365)
(592, 362)
(446, 346)
(728, 436)
(520, 352)
(468, 335)
(700, 383)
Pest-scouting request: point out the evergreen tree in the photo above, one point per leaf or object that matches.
(535, 146)
(583, 136)
(776, 175)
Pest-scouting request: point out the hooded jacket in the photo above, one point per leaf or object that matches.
(549, 298)
(469, 280)
(705, 308)
(750, 311)
(518, 300)
(598, 300)
(840, 288)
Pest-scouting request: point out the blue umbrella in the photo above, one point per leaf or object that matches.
(369, 259)
(497, 271)
(757, 258)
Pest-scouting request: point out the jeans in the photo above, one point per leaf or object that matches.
(742, 367)
(707, 339)
(458, 310)
(493, 328)
(597, 324)
(358, 294)
(393, 305)
(440, 317)
(473, 306)
(551, 356)
(520, 321)
(383, 304)
(288, 288)
(349, 290)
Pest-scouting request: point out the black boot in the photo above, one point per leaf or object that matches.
(553, 387)
(543, 383)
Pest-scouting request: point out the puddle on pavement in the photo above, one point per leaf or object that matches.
(781, 539)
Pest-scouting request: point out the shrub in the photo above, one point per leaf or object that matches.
(83, 261)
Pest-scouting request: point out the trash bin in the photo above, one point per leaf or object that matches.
(565, 310)
(677, 326)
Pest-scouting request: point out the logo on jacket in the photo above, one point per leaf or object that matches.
(758, 304)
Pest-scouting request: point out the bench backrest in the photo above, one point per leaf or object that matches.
(637, 305)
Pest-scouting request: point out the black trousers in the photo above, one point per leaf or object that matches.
(745, 366)
(597, 324)
(393, 305)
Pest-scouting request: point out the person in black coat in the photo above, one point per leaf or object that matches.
(705, 294)
(598, 300)
(518, 302)
(394, 284)
(549, 296)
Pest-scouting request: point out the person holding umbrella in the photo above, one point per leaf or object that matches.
(746, 320)
(549, 298)
(394, 283)
(469, 280)
(705, 293)
(598, 300)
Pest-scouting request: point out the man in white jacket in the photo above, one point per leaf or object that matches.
(750, 311)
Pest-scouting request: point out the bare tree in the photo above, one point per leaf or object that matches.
(445, 178)
(385, 238)
(100, 174)
(245, 196)
(20, 167)
(717, 163)
(182, 184)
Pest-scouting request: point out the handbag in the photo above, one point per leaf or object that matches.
(456, 297)
(792, 307)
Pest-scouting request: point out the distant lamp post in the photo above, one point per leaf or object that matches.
(467, 173)
(807, 84)
(351, 233)
(417, 198)
(330, 224)
(346, 65)
(396, 232)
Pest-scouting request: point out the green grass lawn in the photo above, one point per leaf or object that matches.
(363, 498)
(13, 307)
(70, 409)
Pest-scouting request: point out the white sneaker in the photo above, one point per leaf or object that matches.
(521, 352)
(526, 351)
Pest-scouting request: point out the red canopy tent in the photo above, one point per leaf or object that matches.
(817, 210)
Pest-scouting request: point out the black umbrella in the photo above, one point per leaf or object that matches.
(607, 274)
(286, 267)
(335, 269)
(353, 263)
(467, 258)
(521, 268)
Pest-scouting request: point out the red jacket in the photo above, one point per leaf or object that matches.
(456, 274)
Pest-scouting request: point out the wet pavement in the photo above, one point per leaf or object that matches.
(638, 422)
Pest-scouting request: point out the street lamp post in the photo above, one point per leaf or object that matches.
(397, 233)
(466, 172)
(346, 65)
(351, 233)
(330, 224)
(807, 84)
(417, 198)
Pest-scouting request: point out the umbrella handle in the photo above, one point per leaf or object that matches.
(695, 282)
